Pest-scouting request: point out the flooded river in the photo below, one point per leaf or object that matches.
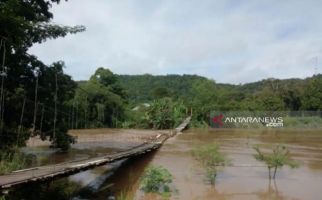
(246, 178)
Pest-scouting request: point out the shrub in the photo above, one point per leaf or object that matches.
(160, 114)
(11, 161)
(156, 179)
(303, 122)
(279, 157)
(210, 158)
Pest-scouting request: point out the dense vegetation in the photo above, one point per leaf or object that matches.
(33, 95)
(268, 94)
(99, 102)
(156, 179)
(203, 95)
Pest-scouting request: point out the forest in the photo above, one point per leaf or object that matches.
(140, 95)
(269, 94)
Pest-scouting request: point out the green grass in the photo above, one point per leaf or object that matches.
(303, 122)
(11, 161)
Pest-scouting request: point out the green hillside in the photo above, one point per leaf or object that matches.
(269, 94)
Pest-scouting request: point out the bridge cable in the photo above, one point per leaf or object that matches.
(55, 113)
(36, 103)
(3, 73)
(21, 118)
(42, 117)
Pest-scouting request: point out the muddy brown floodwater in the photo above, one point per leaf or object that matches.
(245, 179)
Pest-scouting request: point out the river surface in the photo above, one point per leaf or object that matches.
(245, 178)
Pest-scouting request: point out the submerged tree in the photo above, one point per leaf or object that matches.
(210, 158)
(156, 179)
(279, 157)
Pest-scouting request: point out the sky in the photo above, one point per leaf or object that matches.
(229, 41)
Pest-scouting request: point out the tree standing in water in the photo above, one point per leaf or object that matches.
(277, 159)
(210, 158)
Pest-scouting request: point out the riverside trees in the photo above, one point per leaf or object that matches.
(100, 101)
(28, 85)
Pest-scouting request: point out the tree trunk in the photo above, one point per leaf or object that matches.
(275, 172)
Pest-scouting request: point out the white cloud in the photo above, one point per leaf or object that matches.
(229, 41)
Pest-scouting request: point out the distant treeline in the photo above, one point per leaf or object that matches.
(269, 94)
(202, 95)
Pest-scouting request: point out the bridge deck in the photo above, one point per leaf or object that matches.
(47, 172)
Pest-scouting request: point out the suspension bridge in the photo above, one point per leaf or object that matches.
(30, 110)
(49, 172)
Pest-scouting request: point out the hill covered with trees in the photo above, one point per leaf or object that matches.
(269, 94)
(179, 94)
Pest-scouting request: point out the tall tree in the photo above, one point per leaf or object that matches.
(101, 101)
(312, 97)
(204, 99)
(22, 24)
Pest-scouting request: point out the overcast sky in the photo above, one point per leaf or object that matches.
(229, 41)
